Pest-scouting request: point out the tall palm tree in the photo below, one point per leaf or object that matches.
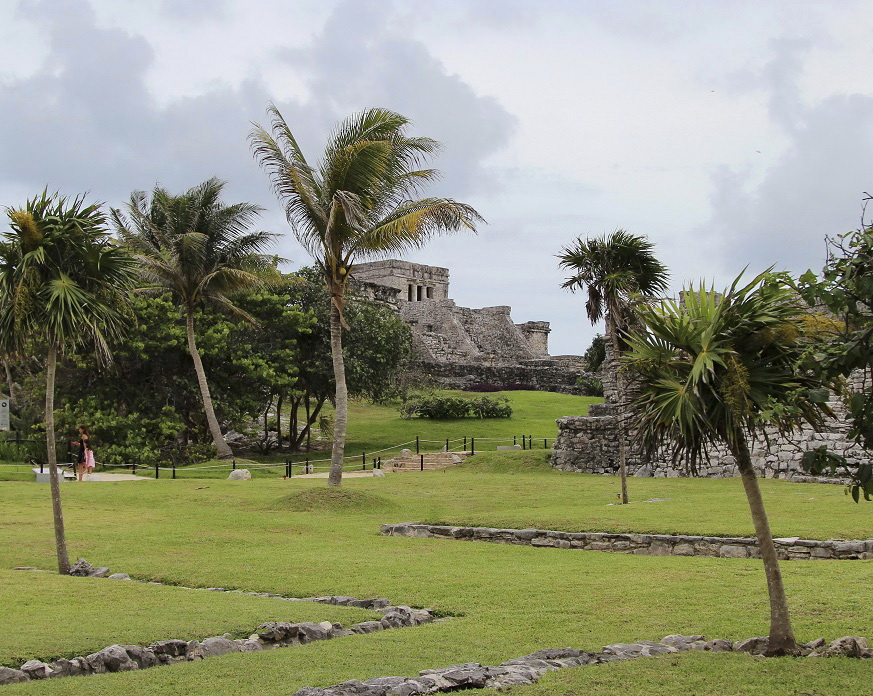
(199, 249)
(615, 269)
(715, 370)
(358, 202)
(61, 280)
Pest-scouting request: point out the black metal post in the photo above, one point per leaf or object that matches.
(465, 443)
(523, 442)
(234, 464)
(363, 461)
(40, 467)
(447, 444)
(514, 440)
(422, 462)
(133, 467)
(416, 445)
(472, 446)
(545, 446)
(174, 469)
(157, 472)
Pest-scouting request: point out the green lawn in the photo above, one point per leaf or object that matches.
(375, 427)
(296, 538)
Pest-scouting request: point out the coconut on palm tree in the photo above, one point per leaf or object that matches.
(714, 370)
(200, 250)
(62, 280)
(358, 202)
(615, 269)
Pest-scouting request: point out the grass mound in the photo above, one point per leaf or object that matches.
(334, 499)
(510, 462)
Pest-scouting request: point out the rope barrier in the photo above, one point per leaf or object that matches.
(254, 465)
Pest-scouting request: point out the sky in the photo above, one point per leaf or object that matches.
(733, 134)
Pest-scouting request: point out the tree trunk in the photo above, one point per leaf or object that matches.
(14, 392)
(342, 398)
(52, 456)
(619, 392)
(781, 641)
(279, 424)
(224, 451)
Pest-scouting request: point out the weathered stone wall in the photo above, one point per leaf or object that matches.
(459, 346)
(554, 378)
(415, 282)
(589, 444)
(537, 335)
(787, 549)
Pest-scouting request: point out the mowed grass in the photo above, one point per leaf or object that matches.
(85, 606)
(297, 538)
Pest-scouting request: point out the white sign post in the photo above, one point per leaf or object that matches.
(4, 413)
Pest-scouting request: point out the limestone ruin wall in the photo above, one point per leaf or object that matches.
(459, 346)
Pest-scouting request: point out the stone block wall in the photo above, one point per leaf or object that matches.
(589, 444)
(453, 375)
(787, 549)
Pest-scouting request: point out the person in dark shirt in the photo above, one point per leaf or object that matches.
(82, 457)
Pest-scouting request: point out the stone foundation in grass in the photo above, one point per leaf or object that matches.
(529, 669)
(788, 549)
(273, 634)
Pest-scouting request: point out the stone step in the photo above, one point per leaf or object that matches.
(432, 460)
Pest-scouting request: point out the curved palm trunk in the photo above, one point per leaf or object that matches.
(619, 391)
(342, 398)
(781, 640)
(52, 456)
(224, 451)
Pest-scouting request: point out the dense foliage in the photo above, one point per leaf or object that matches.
(146, 407)
(595, 354)
(441, 406)
(844, 351)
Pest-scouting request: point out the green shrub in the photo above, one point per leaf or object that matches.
(439, 406)
(590, 386)
(486, 407)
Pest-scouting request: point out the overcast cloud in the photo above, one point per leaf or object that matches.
(731, 133)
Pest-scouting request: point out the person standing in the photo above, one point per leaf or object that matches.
(85, 455)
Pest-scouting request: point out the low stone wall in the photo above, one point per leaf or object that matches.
(529, 668)
(589, 445)
(267, 636)
(539, 374)
(645, 544)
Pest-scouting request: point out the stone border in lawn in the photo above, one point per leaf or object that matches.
(273, 634)
(528, 669)
(792, 548)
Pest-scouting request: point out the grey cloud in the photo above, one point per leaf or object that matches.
(86, 120)
(814, 190)
(358, 61)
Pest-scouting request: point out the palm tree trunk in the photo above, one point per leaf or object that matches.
(342, 398)
(224, 451)
(52, 456)
(279, 424)
(619, 392)
(781, 641)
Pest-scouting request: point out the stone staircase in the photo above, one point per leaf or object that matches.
(410, 461)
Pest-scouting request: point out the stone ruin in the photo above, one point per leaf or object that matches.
(458, 346)
(590, 444)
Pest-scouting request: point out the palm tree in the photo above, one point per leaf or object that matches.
(714, 370)
(358, 202)
(199, 249)
(615, 269)
(62, 281)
